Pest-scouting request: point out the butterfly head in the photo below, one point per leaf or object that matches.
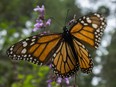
(65, 28)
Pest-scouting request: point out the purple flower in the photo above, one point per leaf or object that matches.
(41, 22)
(41, 10)
(49, 82)
(67, 81)
(50, 66)
(38, 25)
(35, 29)
(48, 22)
(59, 80)
(49, 85)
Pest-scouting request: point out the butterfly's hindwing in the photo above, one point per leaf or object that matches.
(64, 63)
(84, 58)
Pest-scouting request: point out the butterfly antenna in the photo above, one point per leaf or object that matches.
(67, 16)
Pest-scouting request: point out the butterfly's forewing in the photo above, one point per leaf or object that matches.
(89, 29)
(36, 49)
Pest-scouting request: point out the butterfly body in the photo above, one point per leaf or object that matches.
(65, 51)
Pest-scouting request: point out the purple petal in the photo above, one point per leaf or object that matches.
(36, 9)
(67, 81)
(49, 85)
(35, 29)
(40, 9)
(50, 65)
(49, 81)
(59, 80)
(39, 21)
(48, 22)
(38, 25)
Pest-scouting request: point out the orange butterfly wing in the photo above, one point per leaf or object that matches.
(84, 58)
(36, 49)
(64, 62)
(89, 29)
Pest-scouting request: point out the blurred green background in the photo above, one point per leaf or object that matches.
(16, 22)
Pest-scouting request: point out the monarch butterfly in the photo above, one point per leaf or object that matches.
(65, 50)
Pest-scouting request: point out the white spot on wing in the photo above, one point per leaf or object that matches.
(24, 44)
(24, 51)
(94, 25)
(88, 20)
(11, 48)
(54, 55)
(32, 43)
(33, 40)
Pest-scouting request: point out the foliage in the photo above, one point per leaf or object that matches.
(109, 70)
